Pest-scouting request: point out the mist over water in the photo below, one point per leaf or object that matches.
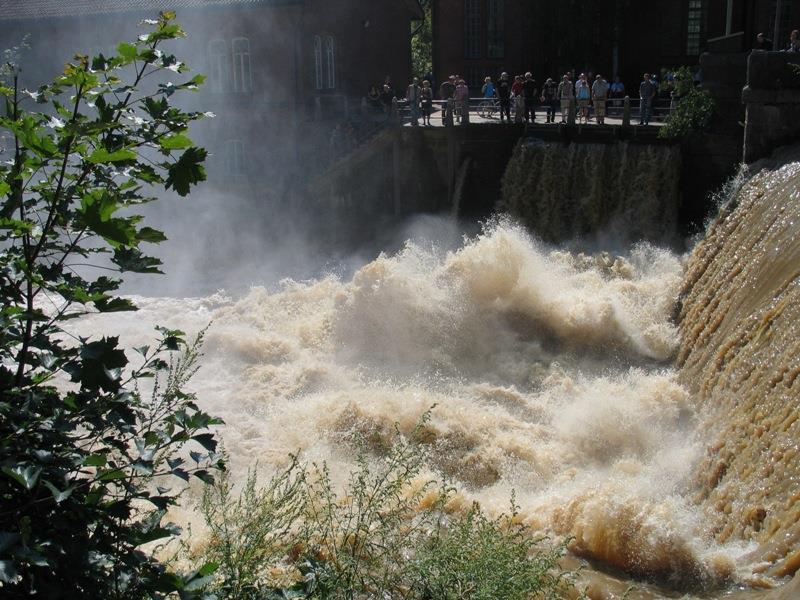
(549, 371)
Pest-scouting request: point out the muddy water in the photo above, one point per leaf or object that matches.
(552, 374)
(624, 190)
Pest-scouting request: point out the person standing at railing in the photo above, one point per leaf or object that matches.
(462, 101)
(794, 41)
(647, 92)
(518, 99)
(504, 94)
(583, 93)
(550, 99)
(529, 92)
(413, 98)
(488, 89)
(426, 99)
(599, 95)
(566, 95)
(446, 92)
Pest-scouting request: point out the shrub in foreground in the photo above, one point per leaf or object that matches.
(389, 534)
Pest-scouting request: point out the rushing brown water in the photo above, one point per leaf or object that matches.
(553, 375)
(627, 191)
(740, 357)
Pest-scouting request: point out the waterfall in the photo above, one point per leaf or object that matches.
(563, 191)
(740, 356)
(553, 373)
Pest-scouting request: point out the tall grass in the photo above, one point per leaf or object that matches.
(388, 535)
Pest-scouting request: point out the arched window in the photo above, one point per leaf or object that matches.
(495, 29)
(318, 62)
(330, 63)
(472, 28)
(218, 65)
(242, 77)
(324, 62)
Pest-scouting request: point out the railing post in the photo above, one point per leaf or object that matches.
(626, 111)
(395, 111)
(572, 112)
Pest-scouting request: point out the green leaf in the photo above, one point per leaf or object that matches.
(175, 142)
(148, 234)
(103, 156)
(133, 260)
(4, 188)
(127, 51)
(187, 171)
(58, 495)
(112, 475)
(115, 305)
(95, 460)
(26, 476)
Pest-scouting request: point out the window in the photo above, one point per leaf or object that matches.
(218, 65)
(330, 63)
(234, 158)
(324, 62)
(695, 26)
(242, 77)
(472, 28)
(495, 31)
(784, 23)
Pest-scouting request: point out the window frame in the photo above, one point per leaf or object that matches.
(242, 65)
(217, 65)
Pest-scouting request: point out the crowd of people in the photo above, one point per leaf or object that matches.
(590, 95)
(523, 94)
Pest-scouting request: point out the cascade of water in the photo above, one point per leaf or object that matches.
(551, 373)
(740, 354)
(629, 191)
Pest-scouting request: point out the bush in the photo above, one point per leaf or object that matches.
(388, 535)
(86, 458)
(694, 107)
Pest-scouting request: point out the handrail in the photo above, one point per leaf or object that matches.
(661, 109)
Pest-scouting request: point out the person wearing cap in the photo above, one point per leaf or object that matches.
(504, 94)
(599, 94)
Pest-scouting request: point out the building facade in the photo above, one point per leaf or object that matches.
(280, 73)
(476, 38)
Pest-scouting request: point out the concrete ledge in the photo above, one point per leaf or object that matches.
(761, 96)
(772, 70)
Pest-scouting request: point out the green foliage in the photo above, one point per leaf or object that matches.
(694, 107)
(388, 535)
(88, 461)
(422, 44)
(476, 557)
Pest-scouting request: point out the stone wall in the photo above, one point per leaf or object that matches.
(772, 98)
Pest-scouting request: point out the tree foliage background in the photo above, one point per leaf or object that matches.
(422, 43)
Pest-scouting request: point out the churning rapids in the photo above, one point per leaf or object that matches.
(553, 374)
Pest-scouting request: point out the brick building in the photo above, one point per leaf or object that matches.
(475, 38)
(280, 72)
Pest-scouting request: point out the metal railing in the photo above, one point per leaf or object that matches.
(488, 110)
